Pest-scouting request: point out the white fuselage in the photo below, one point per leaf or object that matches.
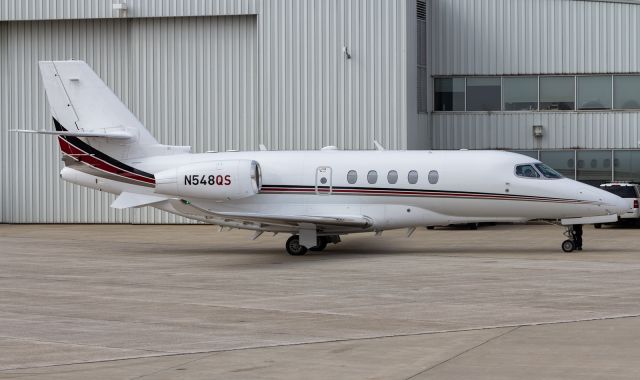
(471, 187)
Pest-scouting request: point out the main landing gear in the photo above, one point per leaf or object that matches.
(574, 233)
(294, 248)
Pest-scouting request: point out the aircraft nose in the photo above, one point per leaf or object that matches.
(613, 203)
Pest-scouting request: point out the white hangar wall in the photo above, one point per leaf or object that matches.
(217, 75)
(520, 37)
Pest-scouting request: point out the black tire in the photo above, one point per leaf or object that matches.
(597, 225)
(431, 228)
(568, 246)
(322, 244)
(294, 248)
(473, 226)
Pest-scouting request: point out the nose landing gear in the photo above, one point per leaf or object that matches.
(574, 233)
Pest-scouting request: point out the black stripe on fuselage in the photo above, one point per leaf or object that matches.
(98, 154)
(382, 191)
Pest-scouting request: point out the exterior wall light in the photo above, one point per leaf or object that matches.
(538, 131)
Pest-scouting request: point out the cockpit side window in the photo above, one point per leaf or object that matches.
(527, 171)
(548, 172)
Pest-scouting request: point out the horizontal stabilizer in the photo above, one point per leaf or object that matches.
(105, 134)
(131, 200)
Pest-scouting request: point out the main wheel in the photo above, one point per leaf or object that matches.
(568, 246)
(597, 225)
(293, 246)
(322, 244)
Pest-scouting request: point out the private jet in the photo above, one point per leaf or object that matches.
(314, 196)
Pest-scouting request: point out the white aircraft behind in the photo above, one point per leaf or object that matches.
(316, 196)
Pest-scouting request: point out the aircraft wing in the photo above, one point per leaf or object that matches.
(281, 220)
(296, 220)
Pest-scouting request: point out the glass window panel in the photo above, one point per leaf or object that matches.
(449, 94)
(433, 177)
(352, 176)
(372, 177)
(562, 161)
(594, 166)
(413, 177)
(627, 165)
(483, 94)
(520, 94)
(626, 92)
(392, 177)
(594, 92)
(557, 93)
(530, 153)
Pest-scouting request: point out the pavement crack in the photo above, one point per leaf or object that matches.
(464, 352)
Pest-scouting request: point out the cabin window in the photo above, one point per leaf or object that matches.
(413, 177)
(392, 177)
(372, 177)
(548, 172)
(352, 176)
(527, 171)
(433, 177)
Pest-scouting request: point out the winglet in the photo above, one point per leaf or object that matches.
(378, 146)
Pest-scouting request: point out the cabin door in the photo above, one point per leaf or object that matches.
(323, 180)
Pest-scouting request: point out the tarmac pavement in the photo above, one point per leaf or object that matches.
(126, 302)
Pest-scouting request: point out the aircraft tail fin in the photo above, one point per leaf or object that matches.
(82, 105)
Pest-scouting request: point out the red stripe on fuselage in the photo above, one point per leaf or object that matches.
(99, 164)
(440, 194)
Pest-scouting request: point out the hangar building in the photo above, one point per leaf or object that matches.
(555, 79)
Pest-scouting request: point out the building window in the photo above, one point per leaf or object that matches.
(372, 177)
(626, 165)
(352, 176)
(483, 94)
(594, 92)
(626, 92)
(520, 93)
(449, 94)
(557, 93)
(413, 177)
(562, 161)
(594, 166)
(423, 74)
(392, 177)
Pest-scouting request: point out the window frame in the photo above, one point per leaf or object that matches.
(540, 77)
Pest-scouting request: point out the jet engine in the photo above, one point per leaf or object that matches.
(215, 180)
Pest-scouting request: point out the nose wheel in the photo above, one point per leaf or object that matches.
(574, 233)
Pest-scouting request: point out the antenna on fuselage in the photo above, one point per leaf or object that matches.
(262, 147)
(378, 146)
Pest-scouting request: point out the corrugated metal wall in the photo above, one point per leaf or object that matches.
(311, 95)
(279, 78)
(91, 9)
(503, 37)
(493, 37)
(170, 72)
(585, 130)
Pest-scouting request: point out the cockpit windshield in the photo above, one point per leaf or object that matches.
(548, 172)
(527, 171)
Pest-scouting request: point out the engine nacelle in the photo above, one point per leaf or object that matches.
(215, 180)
